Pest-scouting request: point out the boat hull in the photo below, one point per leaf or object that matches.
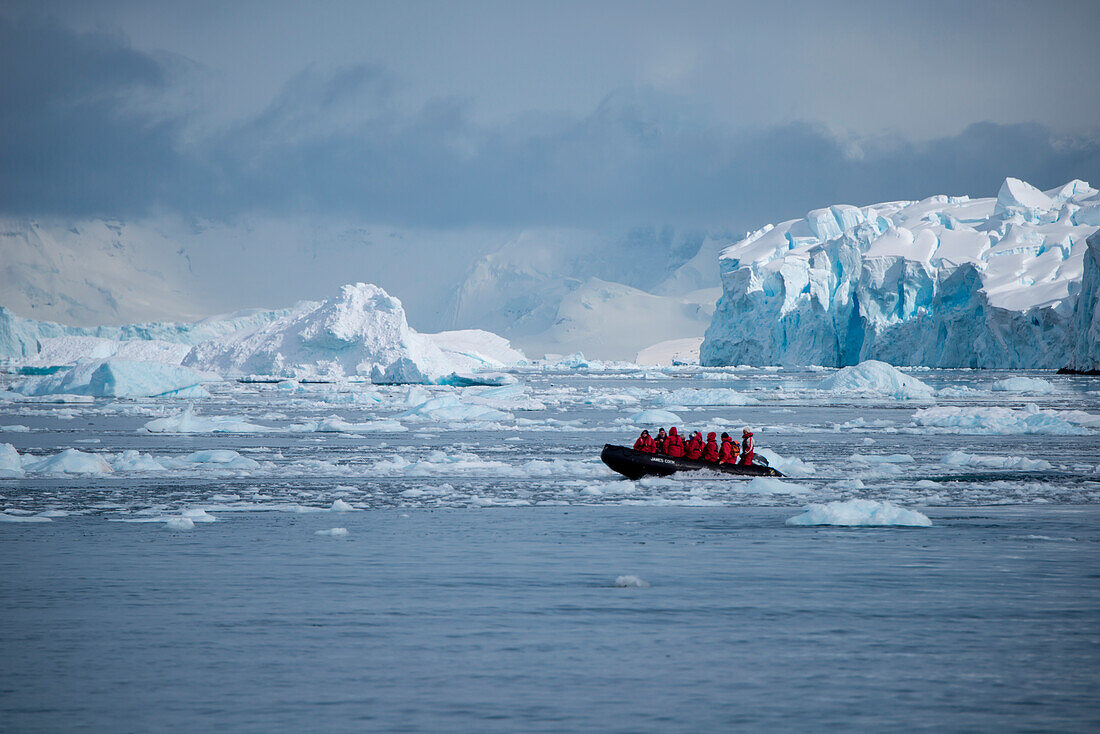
(637, 464)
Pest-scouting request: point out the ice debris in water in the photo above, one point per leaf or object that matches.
(1020, 463)
(997, 420)
(187, 422)
(1033, 385)
(859, 512)
(69, 461)
(333, 532)
(451, 408)
(630, 581)
(655, 417)
(876, 377)
(341, 506)
(180, 523)
(708, 396)
(11, 466)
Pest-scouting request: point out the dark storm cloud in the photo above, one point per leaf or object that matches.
(71, 139)
(81, 134)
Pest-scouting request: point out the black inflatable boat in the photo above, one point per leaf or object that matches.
(638, 464)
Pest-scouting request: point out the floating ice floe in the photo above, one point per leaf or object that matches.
(11, 466)
(187, 422)
(689, 396)
(655, 417)
(630, 581)
(1020, 463)
(878, 378)
(180, 523)
(5, 517)
(788, 465)
(859, 513)
(115, 378)
(997, 420)
(1032, 385)
(69, 461)
(451, 408)
(332, 532)
(336, 424)
(771, 485)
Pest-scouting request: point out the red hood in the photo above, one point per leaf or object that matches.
(711, 436)
(672, 431)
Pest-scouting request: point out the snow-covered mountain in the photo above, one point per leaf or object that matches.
(947, 281)
(606, 295)
(93, 272)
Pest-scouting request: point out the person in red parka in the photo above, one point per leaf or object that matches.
(662, 437)
(645, 443)
(748, 447)
(727, 452)
(694, 448)
(710, 451)
(674, 445)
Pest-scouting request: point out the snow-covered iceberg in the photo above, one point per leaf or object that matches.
(362, 332)
(947, 281)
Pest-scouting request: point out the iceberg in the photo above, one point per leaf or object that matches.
(362, 332)
(69, 461)
(1006, 282)
(120, 379)
(876, 377)
(11, 466)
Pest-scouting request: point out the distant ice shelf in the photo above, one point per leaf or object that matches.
(1010, 282)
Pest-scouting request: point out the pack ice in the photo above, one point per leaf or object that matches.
(361, 332)
(1010, 282)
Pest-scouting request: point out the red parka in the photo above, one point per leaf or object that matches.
(674, 445)
(645, 443)
(710, 451)
(694, 448)
(727, 452)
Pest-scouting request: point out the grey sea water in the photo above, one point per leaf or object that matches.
(475, 587)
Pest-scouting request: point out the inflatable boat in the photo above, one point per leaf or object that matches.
(638, 464)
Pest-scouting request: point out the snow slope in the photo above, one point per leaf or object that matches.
(93, 272)
(606, 295)
(947, 281)
(361, 332)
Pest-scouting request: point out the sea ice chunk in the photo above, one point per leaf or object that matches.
(11, 466)
(876, 377)
(1032, 385)
(69, 461)
(859, 512)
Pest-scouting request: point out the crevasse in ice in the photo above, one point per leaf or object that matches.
(947, 281)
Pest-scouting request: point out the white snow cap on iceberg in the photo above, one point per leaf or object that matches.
(947, 281)
(361, 332)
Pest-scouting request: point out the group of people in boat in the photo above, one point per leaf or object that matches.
(673, 444)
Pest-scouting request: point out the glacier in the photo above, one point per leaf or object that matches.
(1005, 282)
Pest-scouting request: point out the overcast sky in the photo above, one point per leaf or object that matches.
(514, 114)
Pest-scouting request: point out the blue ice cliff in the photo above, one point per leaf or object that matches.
(1010, 282)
